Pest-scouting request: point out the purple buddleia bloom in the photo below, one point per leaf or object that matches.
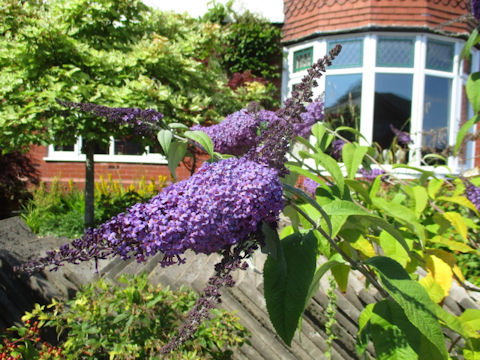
(146, 122)
(472, 193)
(337, 147)
(237, 133)
(371, 174)
(403, 138)
(310, 185)
(219, 206)
(275, 140)
(476, 9)
(313, 113)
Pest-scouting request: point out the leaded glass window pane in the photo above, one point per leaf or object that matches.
(393, 106)
(395, 52)
(351, 54)
(440, 55)
(302, 59)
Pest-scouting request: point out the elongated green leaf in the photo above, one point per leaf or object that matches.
(352, 155)
(165, 139)
(178, 126)
(287, 282)
(331, 166)
(202, 138)
(301, 171)
(434, 186)
(304, 196)
(464, 130)
(314, 286)
(456, 220)
(473, 39)
(394, 337)
(419, 309)
(473, 91)
(421, 199)
(176, 153)
(305, 142)
(350, 129)
(272, 241)
(359, 189)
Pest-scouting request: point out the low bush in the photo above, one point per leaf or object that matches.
(128, 321)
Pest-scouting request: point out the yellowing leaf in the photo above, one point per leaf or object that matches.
(365, 247)
(433, 288)
(457, 221)
(471, 318)
(452, 245)
(441, 272)
(460, 200)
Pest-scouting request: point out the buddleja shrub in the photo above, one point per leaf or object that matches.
(134, 320)
(382, 227)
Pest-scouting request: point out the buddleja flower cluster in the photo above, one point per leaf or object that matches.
(219, 206)
(403, 138)
(241, 131)
(472, 193)
(145, 121)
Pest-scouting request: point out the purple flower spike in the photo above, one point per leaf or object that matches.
(337, 147)
(472, 192)
(310, 185)
(403, 138)
(372, 174)
(219, 206)
(313, 114)
(476, 9)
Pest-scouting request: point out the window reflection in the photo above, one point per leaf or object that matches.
(128, 147)
(393, 106)
(436, 112)
(343, 94)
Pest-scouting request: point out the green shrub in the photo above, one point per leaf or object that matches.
(134, 321)
(59, 211)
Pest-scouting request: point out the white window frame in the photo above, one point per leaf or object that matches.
(419, 71)
(77, 156)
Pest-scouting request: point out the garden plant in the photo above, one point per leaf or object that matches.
(404, 236)
(380, 226)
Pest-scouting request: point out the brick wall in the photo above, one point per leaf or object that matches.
(128, 173)
(306, 17)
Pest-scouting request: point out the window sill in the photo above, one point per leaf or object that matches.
(131, 159)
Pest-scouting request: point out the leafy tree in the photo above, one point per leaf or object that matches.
(114, 53)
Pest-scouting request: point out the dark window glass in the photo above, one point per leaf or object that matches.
(343, 95)
(128, 147)
(436, 112)
(393, 106)
(101, 148)
(64, 147)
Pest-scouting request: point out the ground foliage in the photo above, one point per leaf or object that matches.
(130, 320)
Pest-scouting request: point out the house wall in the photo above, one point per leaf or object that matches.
(306, 17)
(65, 171)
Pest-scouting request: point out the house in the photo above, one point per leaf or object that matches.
(399, 65)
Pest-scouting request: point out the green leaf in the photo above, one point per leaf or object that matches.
(421, 199)
(287, 281)
(419, 309)
(473, 39)
(464, 130)
(178, 126)
(301, 171)
(340, 273)
(392, 248)
(393, 336)
(175, 155)
(336, 259)
(434, 185)
(456, 220)
(352, 155)
(473, 91)
(165, 139)
(202, 138)
(272, 241)
(331, 166)
(304, 196)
